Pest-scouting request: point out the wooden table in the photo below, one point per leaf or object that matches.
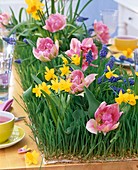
(10, 159)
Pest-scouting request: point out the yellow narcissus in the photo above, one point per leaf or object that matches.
(33, 7)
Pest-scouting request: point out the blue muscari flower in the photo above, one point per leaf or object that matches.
(103, 51)
(125, 81)
(71, 69)
(81, 19)
(114, 79)
(100, 79)
(130, 80)
(122, 57)
(10, 40)
(117, 89)
(110, 63)
(89, 57)
(90, 31)
(18, 61)
(25, 41)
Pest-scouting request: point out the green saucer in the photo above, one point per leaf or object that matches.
(17, 135)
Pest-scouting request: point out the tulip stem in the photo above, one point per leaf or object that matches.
(52, 7)
(47, 9)
(41, 17)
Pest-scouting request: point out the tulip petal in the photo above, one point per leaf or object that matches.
(115, 126)
(89, 79)
(55, 22)
(106, 117)
(91, 126)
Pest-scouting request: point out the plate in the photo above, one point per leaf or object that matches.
(17, 135)
(124, 63)
(113, 49)
(116, 53)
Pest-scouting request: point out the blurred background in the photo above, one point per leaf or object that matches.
(94, 9)
(93, 12)
(127, 14)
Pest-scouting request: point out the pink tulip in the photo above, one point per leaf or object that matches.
(87, 45)
(89, 79)
(106, 118)
(55, 22)
(46, 50)
(76, 47)
(101, 31)
(85, 65)
(4, 19)
(78, 81)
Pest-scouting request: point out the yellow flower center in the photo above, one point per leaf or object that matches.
(75, 59)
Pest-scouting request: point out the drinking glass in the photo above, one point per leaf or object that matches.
(6, 55)
(110, 18)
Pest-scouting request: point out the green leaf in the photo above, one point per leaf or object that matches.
(27, 93)
(13, 18)
(77, 114)
(136, 85)
(20, 25)
(52, 107)
(93, 102)
(117, 135)
(52, 7)
(36, 79)
(76, 10)
(31, 43)
(68, 130)
(75, 67)
(20, 14)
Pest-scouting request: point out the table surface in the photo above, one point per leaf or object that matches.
(10, 159)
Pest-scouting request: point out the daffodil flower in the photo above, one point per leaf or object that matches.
(65, 85)
(33, 7)
(131, 99)
(55, 85)
(128, 53)
(75, 59)
(49, 74)
(65, 70)
(136, 73)
(110, 73)
(65, 61)
(24, 149)
(45, 88)
(128, 90)
(126, 98)
(136, 97)
(31, 158)
(37, 90)
(120, 99)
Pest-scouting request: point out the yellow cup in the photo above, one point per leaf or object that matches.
(6, 125)
(124, 42)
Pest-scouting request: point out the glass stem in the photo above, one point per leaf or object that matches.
(136, 59)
